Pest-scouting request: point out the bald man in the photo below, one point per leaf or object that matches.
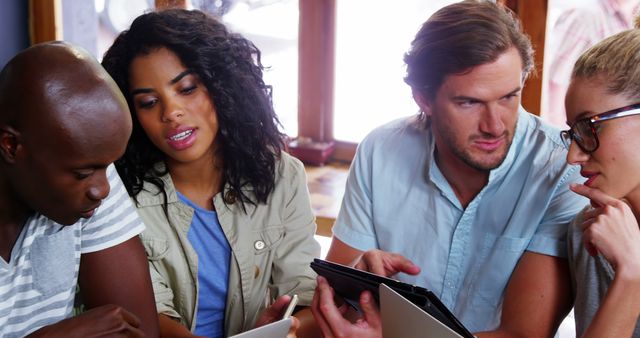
(65, 217)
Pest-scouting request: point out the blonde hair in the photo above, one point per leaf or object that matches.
(617, 59)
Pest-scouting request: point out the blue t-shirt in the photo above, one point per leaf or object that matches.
(211, 245)
(398, 200)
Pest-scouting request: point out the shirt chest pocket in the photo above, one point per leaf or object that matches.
(496, 261)
(156, 248)
(160, 262)
(493, 264)
(54, 262)
(265, 240)
(265, 245)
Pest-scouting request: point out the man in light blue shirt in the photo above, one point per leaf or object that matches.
(474, 190)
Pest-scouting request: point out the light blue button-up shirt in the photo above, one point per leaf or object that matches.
(398, 200)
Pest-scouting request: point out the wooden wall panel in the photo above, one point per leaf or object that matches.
(45, 21)
(533, 14)
(316, 45)
(164, 4)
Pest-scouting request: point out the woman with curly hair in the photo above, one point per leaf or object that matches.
(229, 222)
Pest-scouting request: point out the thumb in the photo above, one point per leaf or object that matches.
(295, 325)
(590, 247)
(279, 306)
(370, 309)
(273, 312)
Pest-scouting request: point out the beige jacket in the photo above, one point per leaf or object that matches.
(272, 245)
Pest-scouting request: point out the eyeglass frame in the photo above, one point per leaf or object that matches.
(630, 110)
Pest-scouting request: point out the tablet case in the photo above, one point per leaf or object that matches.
(401, 318)
(349, 284)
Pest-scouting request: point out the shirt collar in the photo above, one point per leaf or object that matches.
(518, 134)
(151, 195)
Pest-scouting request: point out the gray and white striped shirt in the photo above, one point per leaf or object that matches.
(37, 286)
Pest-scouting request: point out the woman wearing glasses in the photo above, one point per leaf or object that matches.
(603, 110)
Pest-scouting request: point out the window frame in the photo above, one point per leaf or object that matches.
(316, 61)
(317, 67)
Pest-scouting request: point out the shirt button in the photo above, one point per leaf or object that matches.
(259, 245)
(230, 197)
(256, 272)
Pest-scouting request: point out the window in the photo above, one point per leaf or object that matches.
(573, 26)
(344, 75)
(272, 25)
(114, 16)
(369, 71)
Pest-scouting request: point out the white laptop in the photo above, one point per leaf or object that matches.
(401, 318)
(277, 329)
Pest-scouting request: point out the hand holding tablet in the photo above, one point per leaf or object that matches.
(349, 283)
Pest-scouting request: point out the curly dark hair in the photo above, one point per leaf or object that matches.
(229, 66)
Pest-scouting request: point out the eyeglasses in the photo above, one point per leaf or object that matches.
(584, 131)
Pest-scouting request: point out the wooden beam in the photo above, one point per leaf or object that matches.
(316, 47)
(534, 21)
(324, 226)
(165, 4)
(45, 21)
(533, 15)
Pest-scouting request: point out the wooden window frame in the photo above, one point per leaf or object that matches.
(533, 15)
(164, 4)
(316, 75)
(316, 65)
(45, 20)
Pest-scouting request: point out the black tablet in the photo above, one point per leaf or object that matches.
(349, 283)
